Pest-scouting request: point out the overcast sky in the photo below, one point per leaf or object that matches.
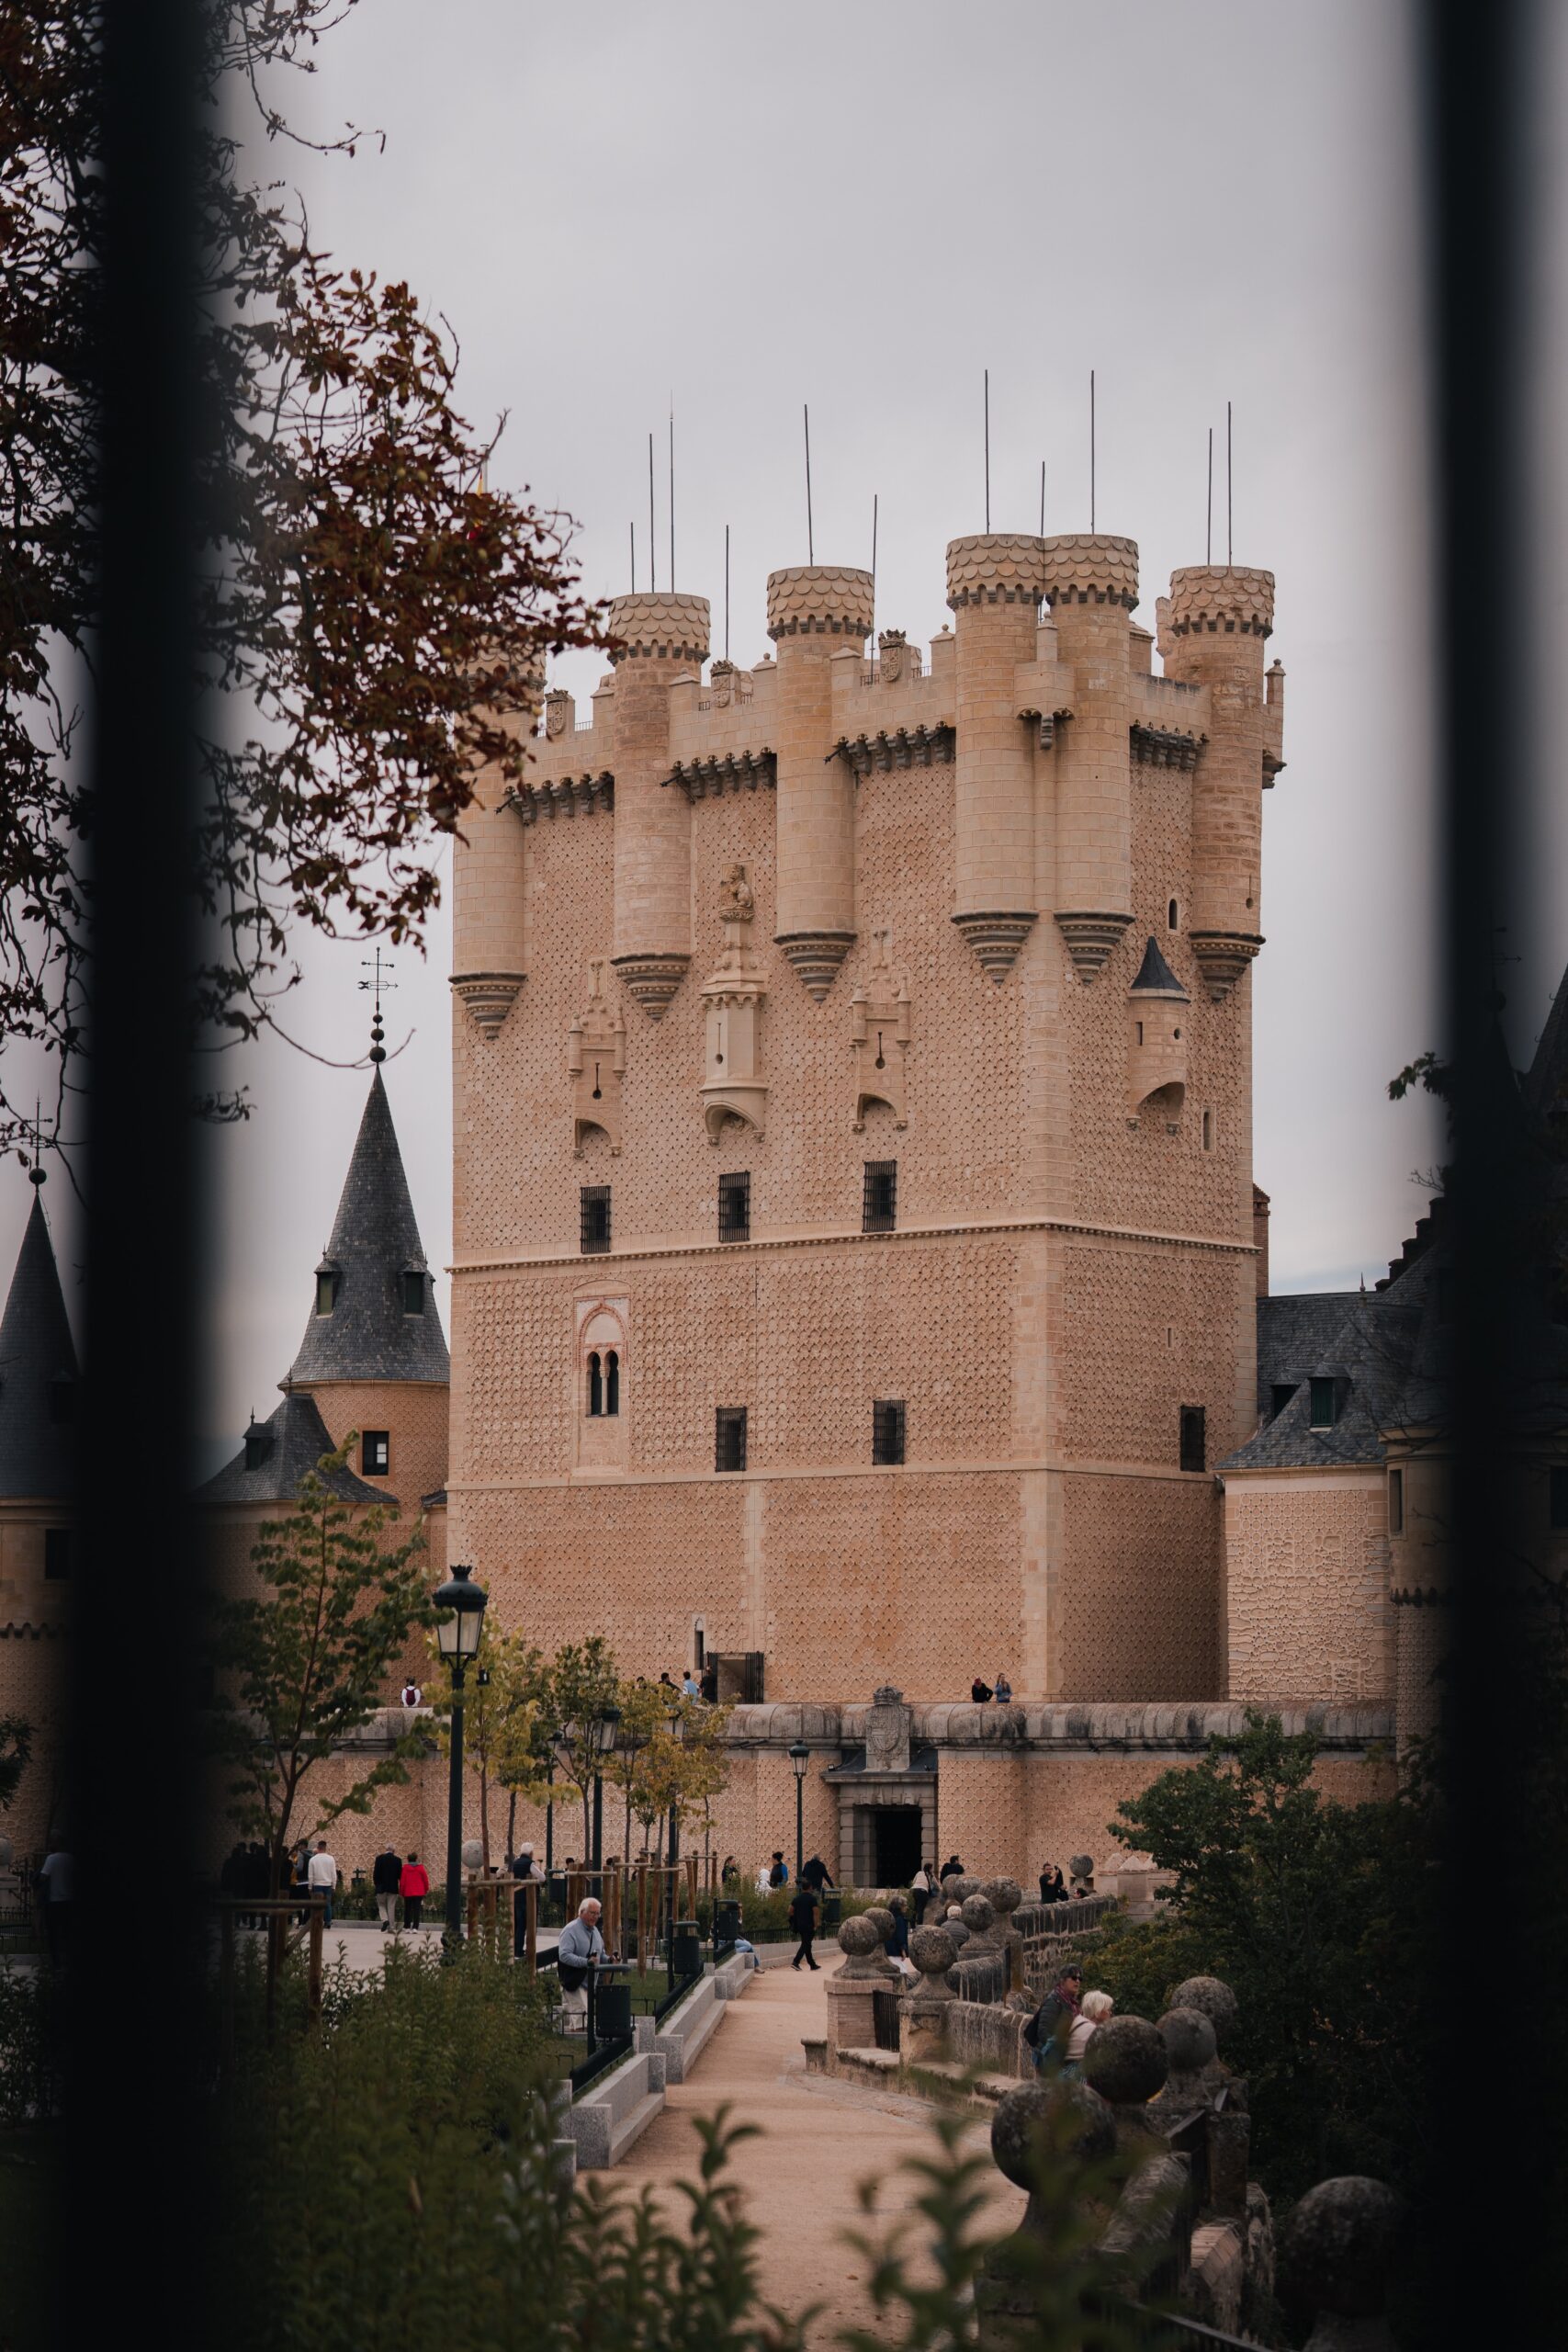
(738, 209)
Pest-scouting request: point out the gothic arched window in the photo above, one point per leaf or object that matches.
(595, 1384)
(612, 1381)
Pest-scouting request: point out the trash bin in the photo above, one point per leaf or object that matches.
(832, 1911)
(686, 1950)
(725, 1922)
(613, 2009)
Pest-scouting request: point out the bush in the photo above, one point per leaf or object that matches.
(29, 2022)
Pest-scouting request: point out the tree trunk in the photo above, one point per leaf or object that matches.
(511, 1829)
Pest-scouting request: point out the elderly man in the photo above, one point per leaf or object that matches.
(581, 1948)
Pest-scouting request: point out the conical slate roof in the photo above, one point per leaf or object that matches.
(369, 1335)
(37, 1373)
(1156, 977)
(270, 1465)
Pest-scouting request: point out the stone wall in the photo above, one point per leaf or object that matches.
(1307, 1587)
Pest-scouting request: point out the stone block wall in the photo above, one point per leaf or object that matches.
(1307, 1587)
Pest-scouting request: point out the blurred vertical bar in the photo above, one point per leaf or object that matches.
(135, 2178)
(1480, 130)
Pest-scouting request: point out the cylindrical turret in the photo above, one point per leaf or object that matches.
(814, 612)
(1220, 618)
(1091, 580)
(995, 581)
(488, 896)
(660, 636)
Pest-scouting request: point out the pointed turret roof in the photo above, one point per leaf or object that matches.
(276, 1454)
(38, 1373)
(1156, 977)
(368, 1334)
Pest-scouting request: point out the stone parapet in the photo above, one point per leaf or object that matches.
(1053, 1728)
(996, 568)
(1089, 568)
(821, 599)
(669, 626)
(1221, 598)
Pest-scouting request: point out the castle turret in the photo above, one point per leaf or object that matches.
(661, 635)
(1092, 583)
(487, 943)
(995, 581)
(814, 612)
(1219, 620)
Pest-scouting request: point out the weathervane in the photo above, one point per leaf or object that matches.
(379, 985)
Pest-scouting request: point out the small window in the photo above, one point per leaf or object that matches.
(1140, 1029)
(1396, 1502)
(413, 1292)
(1195, 1438)
(63, 1400)
(1324, 1403)
(594, 1209)
(1559, 1497)
(612, 1383)
(735, 1207)
(1173, 916)
(375, 1453)
(1280, 1396)
(1208, 1131)
(56, 1555)
(729, 1438)
(326, 1293)
(879, 1200)
(595, 1384)
(888, 1429)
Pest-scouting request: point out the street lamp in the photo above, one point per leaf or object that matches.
(462, 1606)
(677, 1732)
(603, 1731)
(799, 1757)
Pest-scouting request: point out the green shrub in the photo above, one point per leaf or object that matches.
(29, 2081)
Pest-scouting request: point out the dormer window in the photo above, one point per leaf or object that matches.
(413, 1291)
(258, 1444)
(326, 1291)
(375, 1453)
(1279, 1396)
(1325, 1402)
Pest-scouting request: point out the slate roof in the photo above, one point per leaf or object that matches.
(375, 1241)
(1156, 977)
(36, 1351)
(296, 1439)
(1383, 1348)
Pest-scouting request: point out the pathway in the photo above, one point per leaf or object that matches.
(800, 2179)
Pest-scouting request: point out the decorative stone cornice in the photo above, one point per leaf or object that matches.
(563, 795)
(899, 747)
(1090, 937)
(1224, 957)
(651, 980)
(1091, 568)
(735, 771)
(660, 625)
(487, 997)
(821, 599)
(1164, 747)
(1215, 598)
(816, 955)
(995, 568)
(996, 938)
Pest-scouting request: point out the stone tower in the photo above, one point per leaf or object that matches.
(854, 1225)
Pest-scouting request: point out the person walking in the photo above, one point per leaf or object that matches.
(414, 1886)
(579, 1951)
(952, 1868)
(1093, 2010)
(729, 1871)
(1049, 2029)
(921, 1887)
(322, 1876)
(802, 1923)
(898, 1941)
(816, 1874)
(57, 1884)
(386, 1881)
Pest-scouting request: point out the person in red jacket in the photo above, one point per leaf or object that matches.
(414, 1887)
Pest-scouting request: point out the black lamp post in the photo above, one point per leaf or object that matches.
(799, 1757)
(604, 1733)
(462, 1604)
(677, 1732)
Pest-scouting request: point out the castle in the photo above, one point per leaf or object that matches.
(859, 1280)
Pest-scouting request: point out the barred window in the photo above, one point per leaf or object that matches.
(735, 1207)
(375, 1454)
(730, 1437)
(594, 1209)
(1195, 1438)
(888, 1429)
(879, 1202)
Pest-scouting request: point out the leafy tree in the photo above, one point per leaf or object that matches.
(306, 1662)
(579, 1689)
(503, 1720)
(15, 1749)
(372, 612)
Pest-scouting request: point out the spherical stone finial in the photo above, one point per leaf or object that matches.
(669, 626)
(858, 1936)
(959, 1890)
(881, 1920)
(1337, 2245)
(1091, 568)
(978, 1915)
(1190, 2042)
(1031, 2116)
(1081, 1866)
(933, 1950)
(1216, 2000)
(473, 1854)
(820, 600)
(995, 568)
(1221, 600)
(1004, 1895)
(1126, 2062)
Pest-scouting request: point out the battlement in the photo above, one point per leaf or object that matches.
(659, 625)
(1218, 598)
(816, 599)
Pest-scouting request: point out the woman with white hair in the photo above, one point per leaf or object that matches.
(1093, 2010)
(580, 1948)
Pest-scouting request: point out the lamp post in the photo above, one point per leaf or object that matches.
(677, 1732)
(462, 1604)
(603, 1733)
(799, 1757)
